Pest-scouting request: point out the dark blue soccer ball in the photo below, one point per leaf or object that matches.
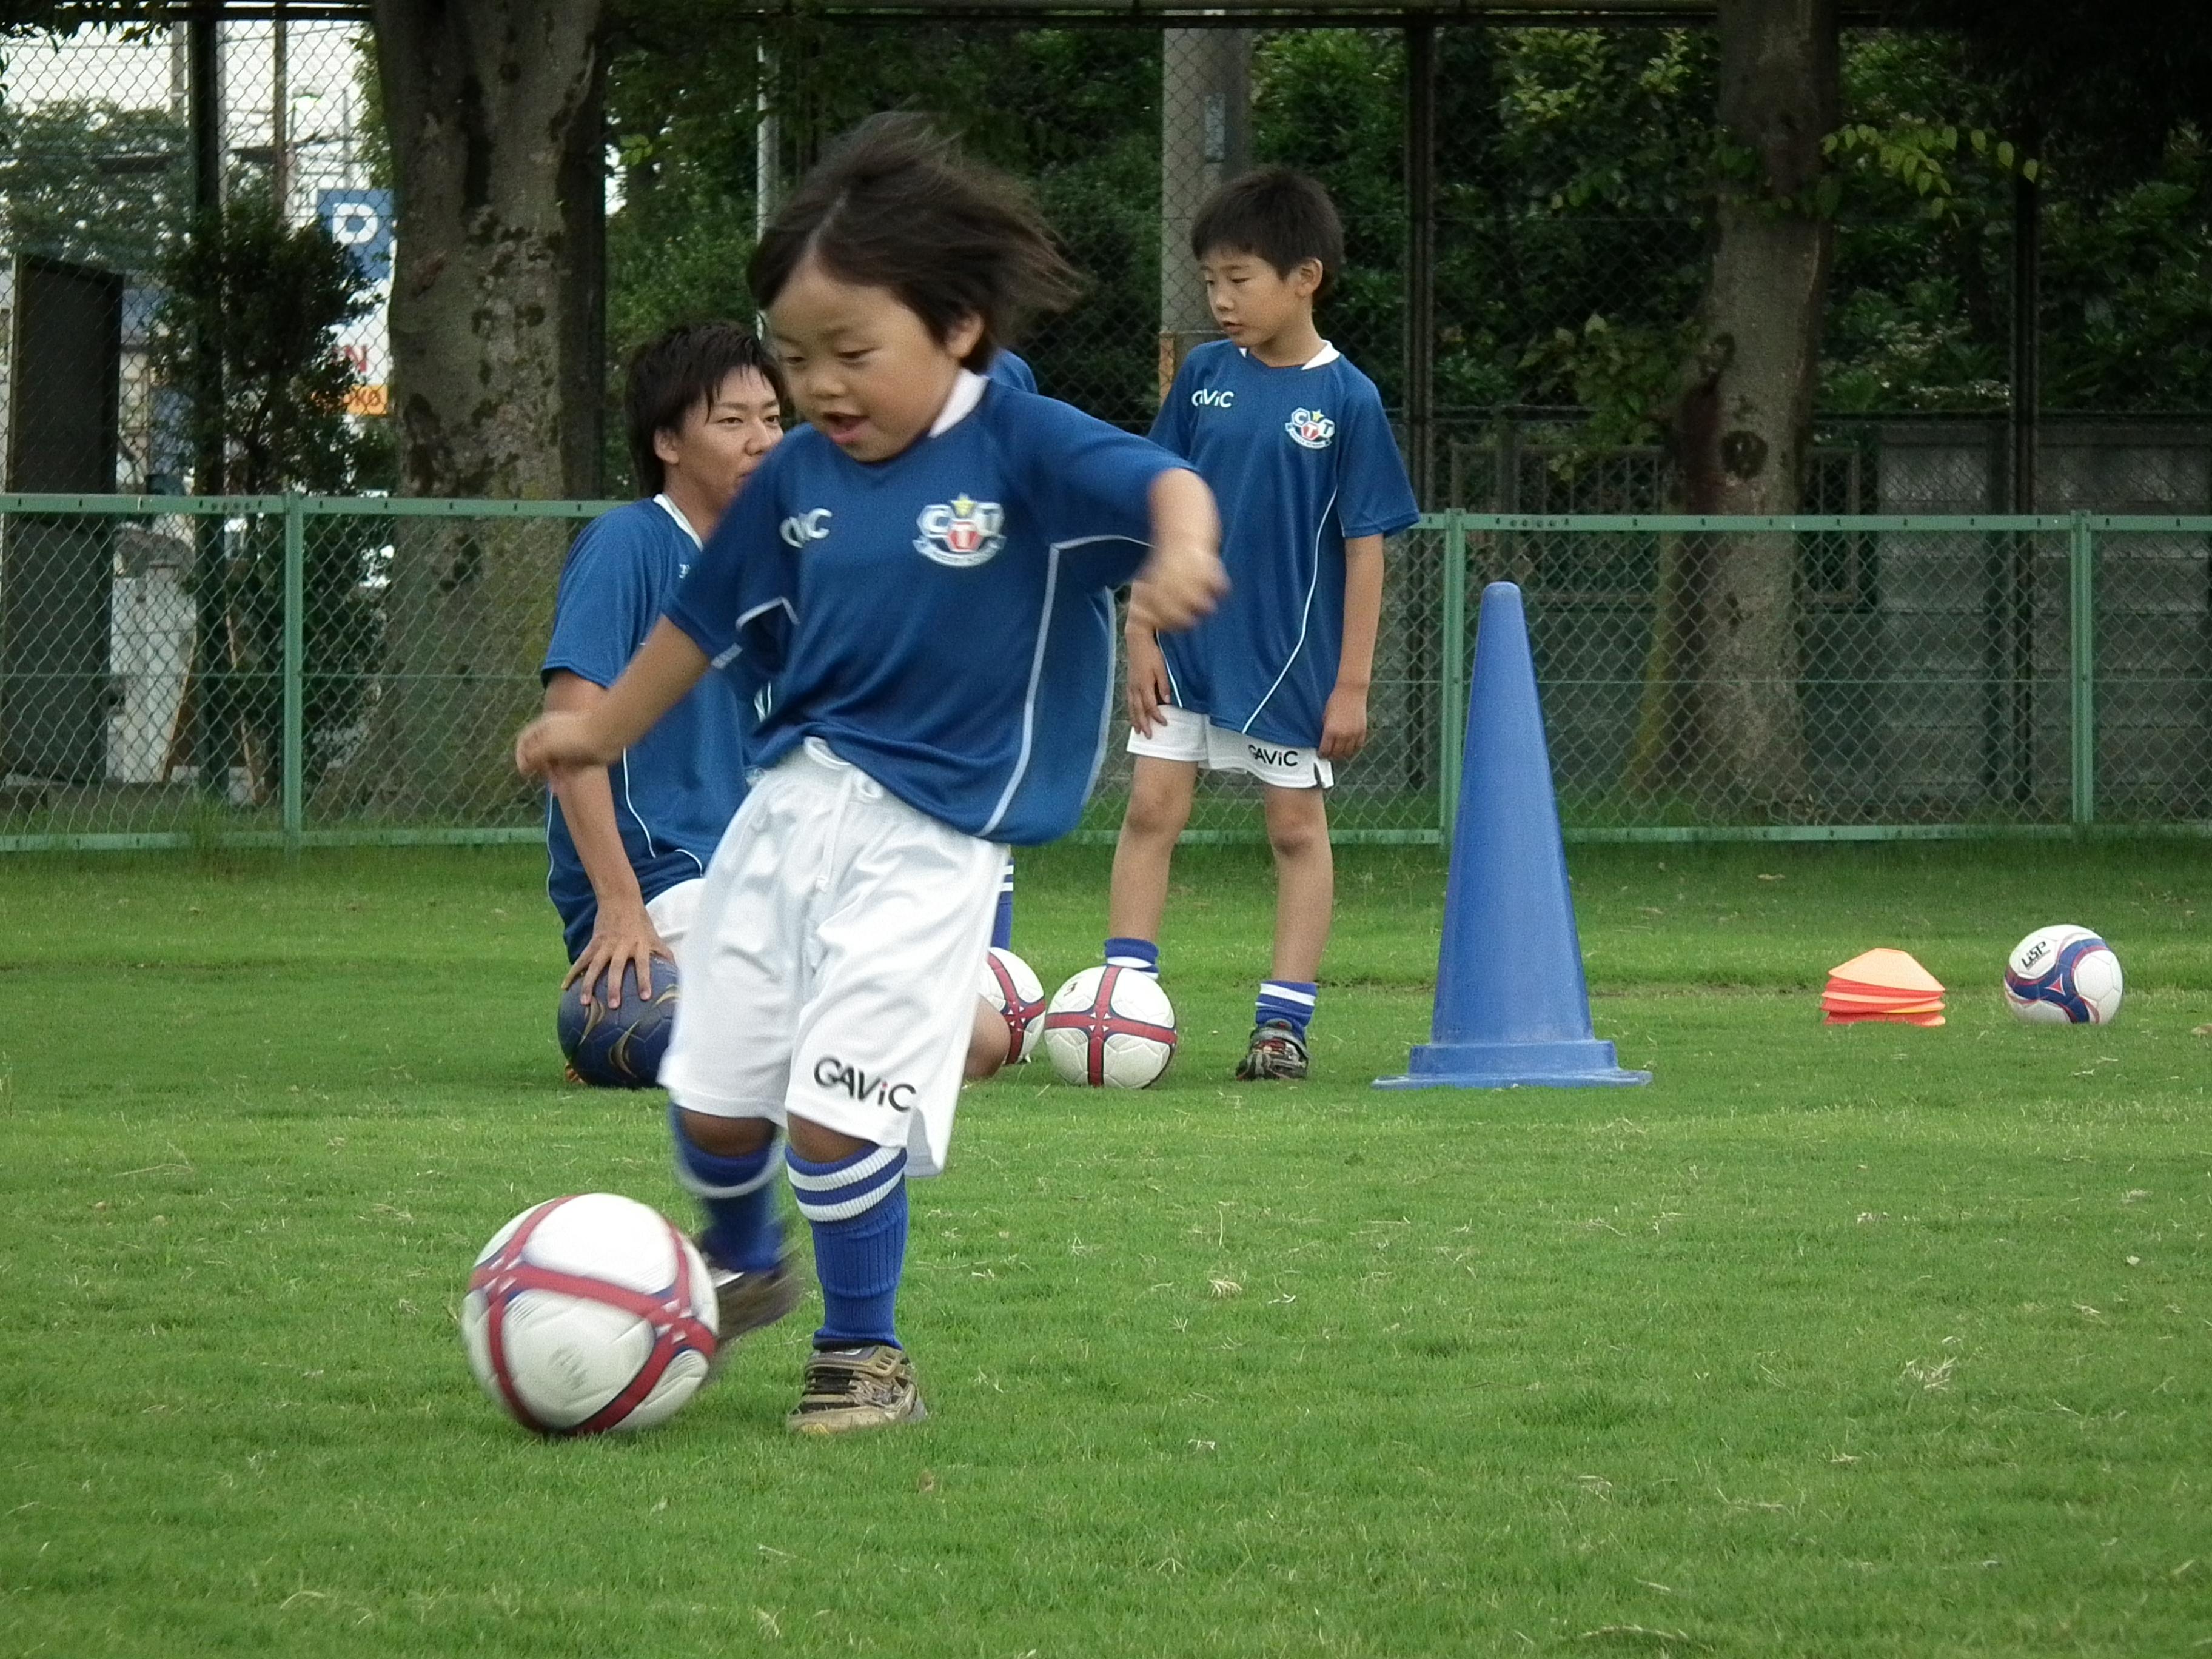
(619, 1048)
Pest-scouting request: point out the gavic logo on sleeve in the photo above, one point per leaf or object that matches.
(1311, 428)
(801, 528)
(960, 533)
(1207, 398)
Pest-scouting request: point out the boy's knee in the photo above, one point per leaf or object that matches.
(726, 1137)
(1155, 814)
(1298, 827)
(818, 1145)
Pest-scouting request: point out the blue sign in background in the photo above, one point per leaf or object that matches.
(360, 220)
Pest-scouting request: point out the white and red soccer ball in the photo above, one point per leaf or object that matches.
(2063, 975)
(1110, 1027)
(1012, 986)
(589, 1314)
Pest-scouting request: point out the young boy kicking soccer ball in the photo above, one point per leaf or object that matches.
(1293, 440)
(926, 573)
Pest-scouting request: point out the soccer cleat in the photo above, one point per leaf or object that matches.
(1277, 1051)
(851, 1388)
(747, 1301)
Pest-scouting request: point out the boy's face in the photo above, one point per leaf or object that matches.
(864, 369)
(1254, 303)
(723, 441)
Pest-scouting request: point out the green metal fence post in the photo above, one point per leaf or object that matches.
(1451, 725)
(2081, 640)
(295, 640)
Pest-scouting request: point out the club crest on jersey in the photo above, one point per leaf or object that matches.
(961, 533)
(1311, 428)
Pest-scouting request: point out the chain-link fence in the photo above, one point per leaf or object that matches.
(303, 671)
(270, 670)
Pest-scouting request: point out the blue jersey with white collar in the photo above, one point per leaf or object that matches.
(1300, 460)
(944, 619)
(677, 787)
(1008, 369)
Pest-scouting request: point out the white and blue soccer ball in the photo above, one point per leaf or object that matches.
(1011, 986)
(1111, 1028)
(2063, 975)
(589, 1314)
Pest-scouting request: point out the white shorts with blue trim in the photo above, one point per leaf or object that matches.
(830, 971)
(1181, 735)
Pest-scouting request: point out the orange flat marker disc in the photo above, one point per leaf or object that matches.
(1850, 993)
(1830, 1005)
(1888, 969)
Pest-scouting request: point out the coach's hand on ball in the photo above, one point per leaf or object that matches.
(623, 938)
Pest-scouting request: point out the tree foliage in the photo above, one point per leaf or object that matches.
(90, 182)
(1578, 173)
(268, 298)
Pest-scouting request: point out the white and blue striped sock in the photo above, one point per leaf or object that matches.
(1290, 1001)
(1140, 954)
(857, 1208)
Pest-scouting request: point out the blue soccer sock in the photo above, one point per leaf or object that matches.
(1288, 1000)
(1140, 954)
(742, 1229)
(1002, 925)
(857, 1208)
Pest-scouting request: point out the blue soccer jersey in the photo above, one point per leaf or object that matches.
(1301, 460)
(676, 788)
(943, 619)
(1008, 369)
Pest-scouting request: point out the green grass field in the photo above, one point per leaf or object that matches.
(1830, 1342)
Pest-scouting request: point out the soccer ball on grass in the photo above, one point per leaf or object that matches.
(2063, 975)
(1011, 986)
(1110, 1027)
(587, 1314)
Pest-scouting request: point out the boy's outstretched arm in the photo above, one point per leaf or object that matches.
(667, 665)
(622, 933)
(1344, 722)
(1182, 581)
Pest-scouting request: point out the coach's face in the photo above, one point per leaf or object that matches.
(864, 369)
(723, 441)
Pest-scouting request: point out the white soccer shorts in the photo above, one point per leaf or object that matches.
(1181, 735)
(672, 910)
(830, 974)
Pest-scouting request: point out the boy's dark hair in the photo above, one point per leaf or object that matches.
(1276, 214)
(897, 206)
(680, 372)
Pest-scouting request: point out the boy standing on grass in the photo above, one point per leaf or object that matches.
(629, 842)
(1294, 442)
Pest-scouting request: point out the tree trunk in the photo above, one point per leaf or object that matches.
(1722, 718)
(485, 101)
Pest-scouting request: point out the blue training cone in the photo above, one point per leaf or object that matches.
(1512, 1009)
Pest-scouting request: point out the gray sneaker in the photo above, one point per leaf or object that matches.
(748, 1301)
(1277, 1051)
(851, 1388)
